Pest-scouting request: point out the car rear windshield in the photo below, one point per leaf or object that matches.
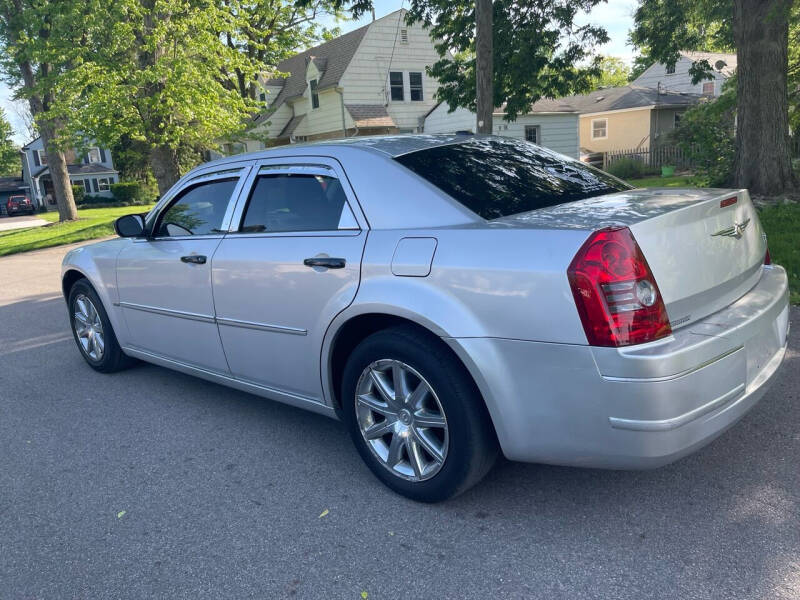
(496, 178)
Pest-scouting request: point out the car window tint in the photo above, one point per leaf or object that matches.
(496, 178)
(198, 210)
(294, 202)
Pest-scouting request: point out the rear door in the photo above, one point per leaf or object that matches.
(291, 263)
(165, 280)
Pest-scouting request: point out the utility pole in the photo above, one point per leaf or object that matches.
(484, 65)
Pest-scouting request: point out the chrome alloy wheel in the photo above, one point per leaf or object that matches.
(88, 328)
(401, 419)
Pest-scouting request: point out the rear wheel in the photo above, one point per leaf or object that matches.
(92, 330)
(415, 416)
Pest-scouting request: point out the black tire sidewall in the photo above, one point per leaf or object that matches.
(112, 350)
(456, 393)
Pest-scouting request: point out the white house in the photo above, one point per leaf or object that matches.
(555, 127)
(678, 78)
(93, 170)
(371, 80)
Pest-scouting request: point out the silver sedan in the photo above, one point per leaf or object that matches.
(448, 298)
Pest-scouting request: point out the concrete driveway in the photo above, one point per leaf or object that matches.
(149, 483)
(21, 222)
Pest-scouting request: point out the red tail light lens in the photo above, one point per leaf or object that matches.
(615, 292)
(767, 258)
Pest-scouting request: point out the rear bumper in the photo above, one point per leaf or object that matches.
(638, 407)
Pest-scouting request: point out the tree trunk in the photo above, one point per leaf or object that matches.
(484, 65)
(761, 33)
(164, 162)
(57, 165)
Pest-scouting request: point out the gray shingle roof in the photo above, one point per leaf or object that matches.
(90, 169)
(11, 184)
(331, 58)
(370, 115)
(618, 98)
(291, 126)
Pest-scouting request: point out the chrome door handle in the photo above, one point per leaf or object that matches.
(324, 261)
(195, 259)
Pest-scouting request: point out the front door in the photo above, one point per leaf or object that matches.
(165, 280)
(291, 262)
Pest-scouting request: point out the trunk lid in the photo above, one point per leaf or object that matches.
(705, 247)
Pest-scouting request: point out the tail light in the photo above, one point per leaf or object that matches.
(615, 292)
(767, 257)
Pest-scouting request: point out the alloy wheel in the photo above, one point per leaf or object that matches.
(401, 420)
(88, 328)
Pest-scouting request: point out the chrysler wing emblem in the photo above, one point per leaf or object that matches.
(735, 231)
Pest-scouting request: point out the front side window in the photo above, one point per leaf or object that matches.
(532, 133)
(42, 156)
(396, 85)
(677, 119)
(496, 178)
(415, 86)
(93, 155)
(708, 88)
(599, 129)
(314, 94)
(670, 70)
(104, 184)
(198, 210)
(291, 202)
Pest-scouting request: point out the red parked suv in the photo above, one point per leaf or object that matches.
(18, 205)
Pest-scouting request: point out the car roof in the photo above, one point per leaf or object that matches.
(389, 145)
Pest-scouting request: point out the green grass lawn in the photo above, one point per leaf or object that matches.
(92, 223)
(674, 181)
(782, 224)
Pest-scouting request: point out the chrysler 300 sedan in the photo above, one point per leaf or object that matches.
(448, 298)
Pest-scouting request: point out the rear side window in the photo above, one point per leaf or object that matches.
(291, 202)
(496, 178)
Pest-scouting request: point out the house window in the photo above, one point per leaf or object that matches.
(396, 85)
(677, 119)
(708, 88)
(262, 96)
(314, 94)
(93, 155)
(105, 184)
(404, 36)
(599, 129)
(415, 86)
(532, 133)
(670, 69)
(42, 156)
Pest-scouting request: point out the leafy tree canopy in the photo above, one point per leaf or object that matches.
(614, 72)
(539, 50)
(9, 153)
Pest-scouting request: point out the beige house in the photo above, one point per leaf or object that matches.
(369, 81)
(623, 118)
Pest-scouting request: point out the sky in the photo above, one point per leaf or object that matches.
(615, 15)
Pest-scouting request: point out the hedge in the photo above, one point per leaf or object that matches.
(131, 192)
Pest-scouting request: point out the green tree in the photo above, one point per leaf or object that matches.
(641, 62)
(538, 50)
(613, 73)
(9, 153)
(759, 31)
(39, 41)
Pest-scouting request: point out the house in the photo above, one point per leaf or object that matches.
(369, 81)
(678, 78)
(555, 128)
(94, 170)
(623, 118)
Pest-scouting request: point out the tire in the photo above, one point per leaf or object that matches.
(445, 439)
(84, 303)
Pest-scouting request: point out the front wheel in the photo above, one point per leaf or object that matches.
(415, 415)
(92, 330)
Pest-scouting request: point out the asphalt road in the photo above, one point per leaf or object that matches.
(153, 484)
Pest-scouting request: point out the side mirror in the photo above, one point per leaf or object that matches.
(129, 226)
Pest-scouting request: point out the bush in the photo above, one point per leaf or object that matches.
(628, 168)
(89, 200)
(706, 135)
(131, 192)
(78, 193)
